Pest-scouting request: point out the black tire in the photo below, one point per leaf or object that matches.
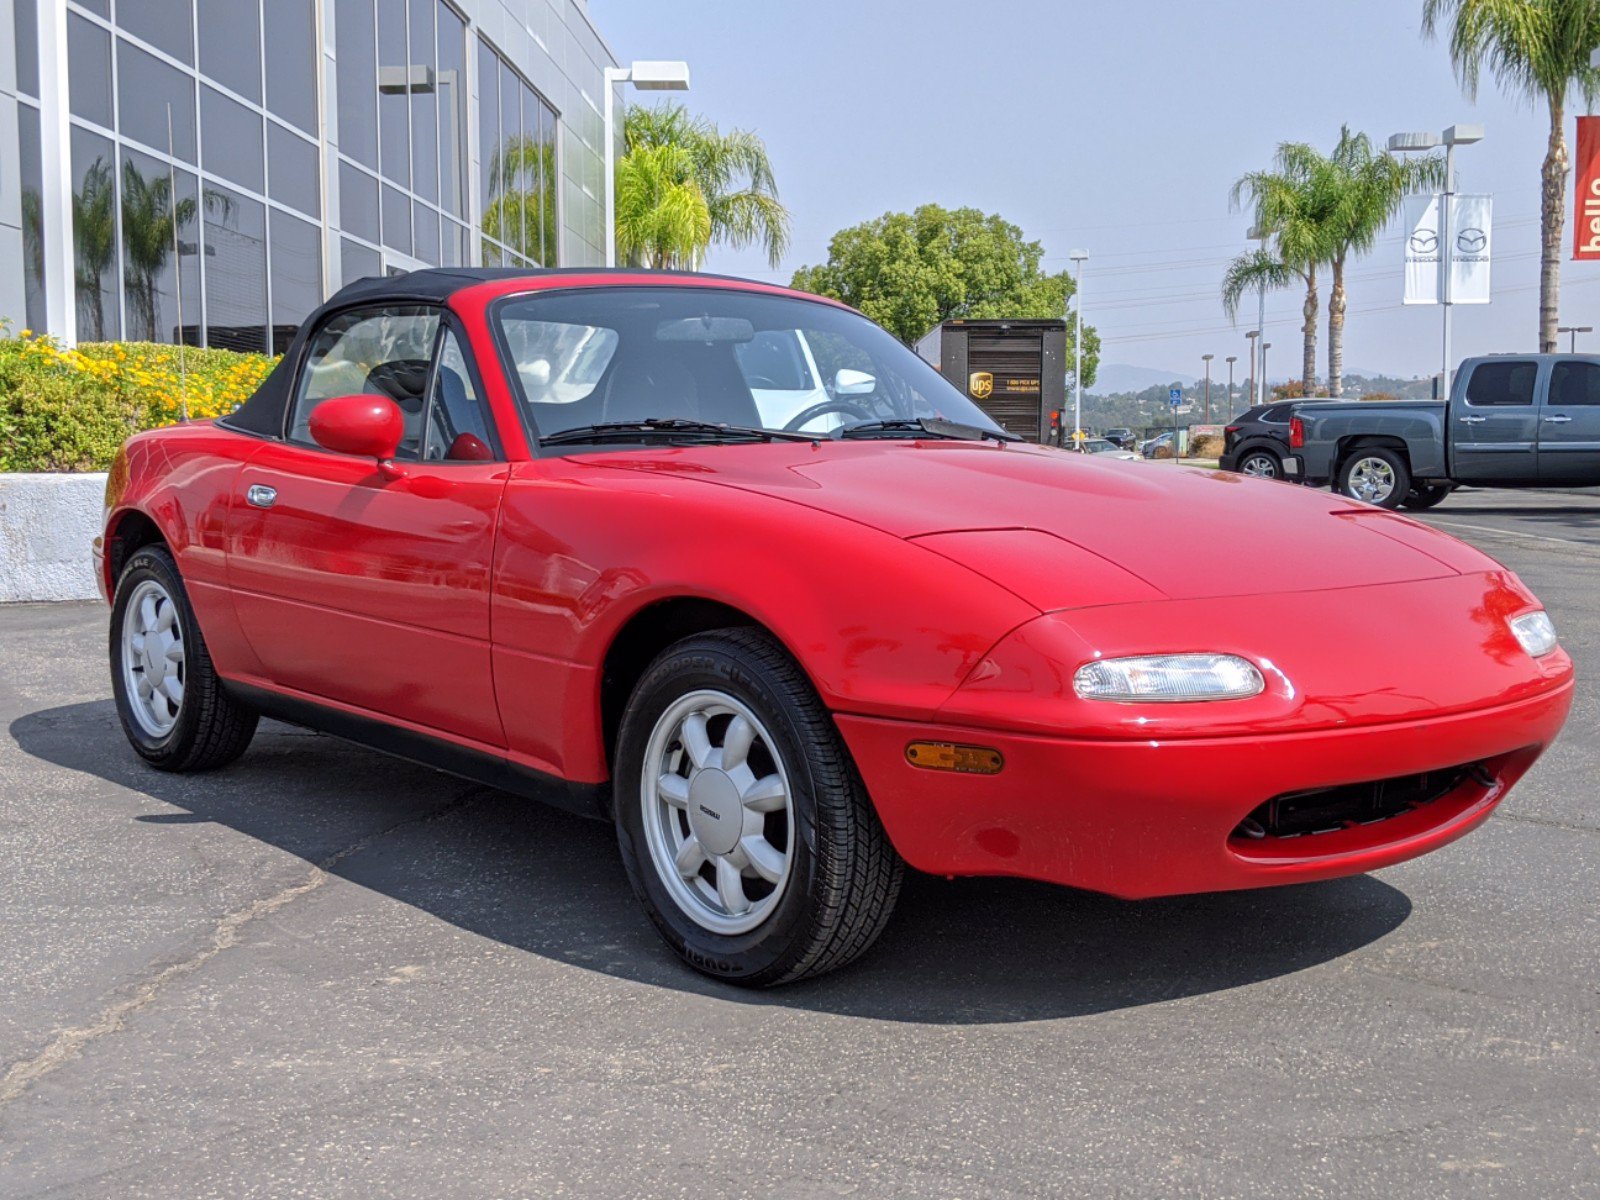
(211, 727)
(1426, 495)
(1361, 463)
(1270, 466)
(844, 876)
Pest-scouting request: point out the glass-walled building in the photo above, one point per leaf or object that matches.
(210, 170)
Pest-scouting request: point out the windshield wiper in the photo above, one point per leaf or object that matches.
(611, 431)
(925, 427)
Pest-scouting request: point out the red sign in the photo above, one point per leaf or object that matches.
(1586, 185)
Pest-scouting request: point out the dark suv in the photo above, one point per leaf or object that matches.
(1121, 437)
(1257, 442)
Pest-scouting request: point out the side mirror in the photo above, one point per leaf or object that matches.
(854, 383)
(365, 426)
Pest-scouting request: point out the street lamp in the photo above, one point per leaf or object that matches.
(1206, 358)
(1232, 358)
(1574, 330)
(1265, 346)
(1259, 233)
(1255, 361)
(650, 76)
(1414, 143)
(1079, 257)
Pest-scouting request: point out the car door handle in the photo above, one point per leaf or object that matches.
(1473, 420)
(260, 495)
(1559, 420)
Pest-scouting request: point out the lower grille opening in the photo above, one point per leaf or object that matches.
(1329, 810)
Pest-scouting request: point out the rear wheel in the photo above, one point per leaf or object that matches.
(1426, 495)
(1376, 475)
(1263, 464)
(171, 702)
(743, 824)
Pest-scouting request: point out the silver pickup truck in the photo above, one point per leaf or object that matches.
(1524, 420)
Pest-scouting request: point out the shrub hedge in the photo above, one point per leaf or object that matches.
(69, 410)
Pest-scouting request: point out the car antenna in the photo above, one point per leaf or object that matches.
(177, 272)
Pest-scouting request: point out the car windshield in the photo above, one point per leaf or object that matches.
(676, 361)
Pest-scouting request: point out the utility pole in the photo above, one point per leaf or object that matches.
(1079, 257)
(1232, 358)
(1206, 358)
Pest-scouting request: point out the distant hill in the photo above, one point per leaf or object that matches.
(1115, 379)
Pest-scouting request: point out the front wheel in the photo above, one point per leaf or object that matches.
(1426, 495)
(172, 704)
(743, 824)
(1376, 475)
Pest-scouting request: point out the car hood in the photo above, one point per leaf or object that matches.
(1067, 531)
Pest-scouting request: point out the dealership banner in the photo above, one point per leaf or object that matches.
(1586, 189)
(1471, 226)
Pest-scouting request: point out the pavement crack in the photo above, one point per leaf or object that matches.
(68, 1044)
(1521, 819)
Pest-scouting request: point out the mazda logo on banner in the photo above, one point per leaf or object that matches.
(1462, 275)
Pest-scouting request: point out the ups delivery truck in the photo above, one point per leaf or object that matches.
(1015, 370)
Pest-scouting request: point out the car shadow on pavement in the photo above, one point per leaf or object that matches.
(971, 951)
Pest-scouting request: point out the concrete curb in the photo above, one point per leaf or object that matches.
(47, 526)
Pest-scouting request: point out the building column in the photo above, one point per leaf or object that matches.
(55, 145)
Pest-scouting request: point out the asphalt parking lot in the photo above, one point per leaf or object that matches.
(327, 973)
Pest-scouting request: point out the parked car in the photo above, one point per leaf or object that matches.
(1257, 441)
(1121, 437)
(1523, 420)
(784, 664)
(1100, 445)
(1160, 446)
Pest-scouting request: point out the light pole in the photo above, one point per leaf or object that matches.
(1206, 358)
(1253, 336)
(1079, 257)
(1259, 233)
(1232, 358)
(1406, 143)
(1574, 330)
(647, 77)
(1265, 346)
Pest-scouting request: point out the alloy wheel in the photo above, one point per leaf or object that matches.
(153, 658)
(1372, 480)
(1262, 466)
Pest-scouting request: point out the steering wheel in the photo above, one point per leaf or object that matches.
(763, 382)
(822, 409)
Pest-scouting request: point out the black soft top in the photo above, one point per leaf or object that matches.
(265, 413)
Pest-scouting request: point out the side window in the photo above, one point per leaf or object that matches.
(373, 352)
(1502, 384)
(457, 430)
(1574, 383)
(771, 361)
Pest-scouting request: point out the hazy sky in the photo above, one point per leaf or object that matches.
(1117, 126)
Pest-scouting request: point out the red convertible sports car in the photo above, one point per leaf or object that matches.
(731, 567)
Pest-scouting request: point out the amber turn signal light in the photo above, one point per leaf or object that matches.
(945, 756)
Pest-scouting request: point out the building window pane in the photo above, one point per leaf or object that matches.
(235, 269)
(292, 63)
(396, 221)
(32, 180)
(146, 89)
(394, 99)
(358, 262)
(89, 70)
(358, 202)
(424, 104)
(535, 178)
(232, 136)
(488, 125)
(357, 84)
(25, 26)
(100, 8)
(94, 235)
(292, 174)
(230, 44)
(452, 243)
(167, 25)
(296, 275)
(452, 112)
(425, 240)
(157, 233)
(549, 213)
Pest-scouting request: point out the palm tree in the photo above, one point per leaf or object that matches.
(1370, 189)
(150, 222)
(94, 240)
(1538, 50)
(520, 210)
(719, 188)
(1297, 202)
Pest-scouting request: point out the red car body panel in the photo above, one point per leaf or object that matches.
(933, 591)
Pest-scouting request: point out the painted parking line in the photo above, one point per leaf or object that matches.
(1517, 533)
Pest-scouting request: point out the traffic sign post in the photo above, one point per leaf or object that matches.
(1176, 397)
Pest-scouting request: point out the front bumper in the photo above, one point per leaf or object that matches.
(1158, 817)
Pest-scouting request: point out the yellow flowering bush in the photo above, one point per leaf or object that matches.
(69, 409)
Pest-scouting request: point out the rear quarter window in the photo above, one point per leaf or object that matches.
(1502, 384)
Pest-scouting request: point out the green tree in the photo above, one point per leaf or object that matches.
(150, 223)
(1538, 50)
(94, 242)
(520, 208)
(912, 271)
(683, 185)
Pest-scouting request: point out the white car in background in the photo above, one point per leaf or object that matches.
(1106, 449)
